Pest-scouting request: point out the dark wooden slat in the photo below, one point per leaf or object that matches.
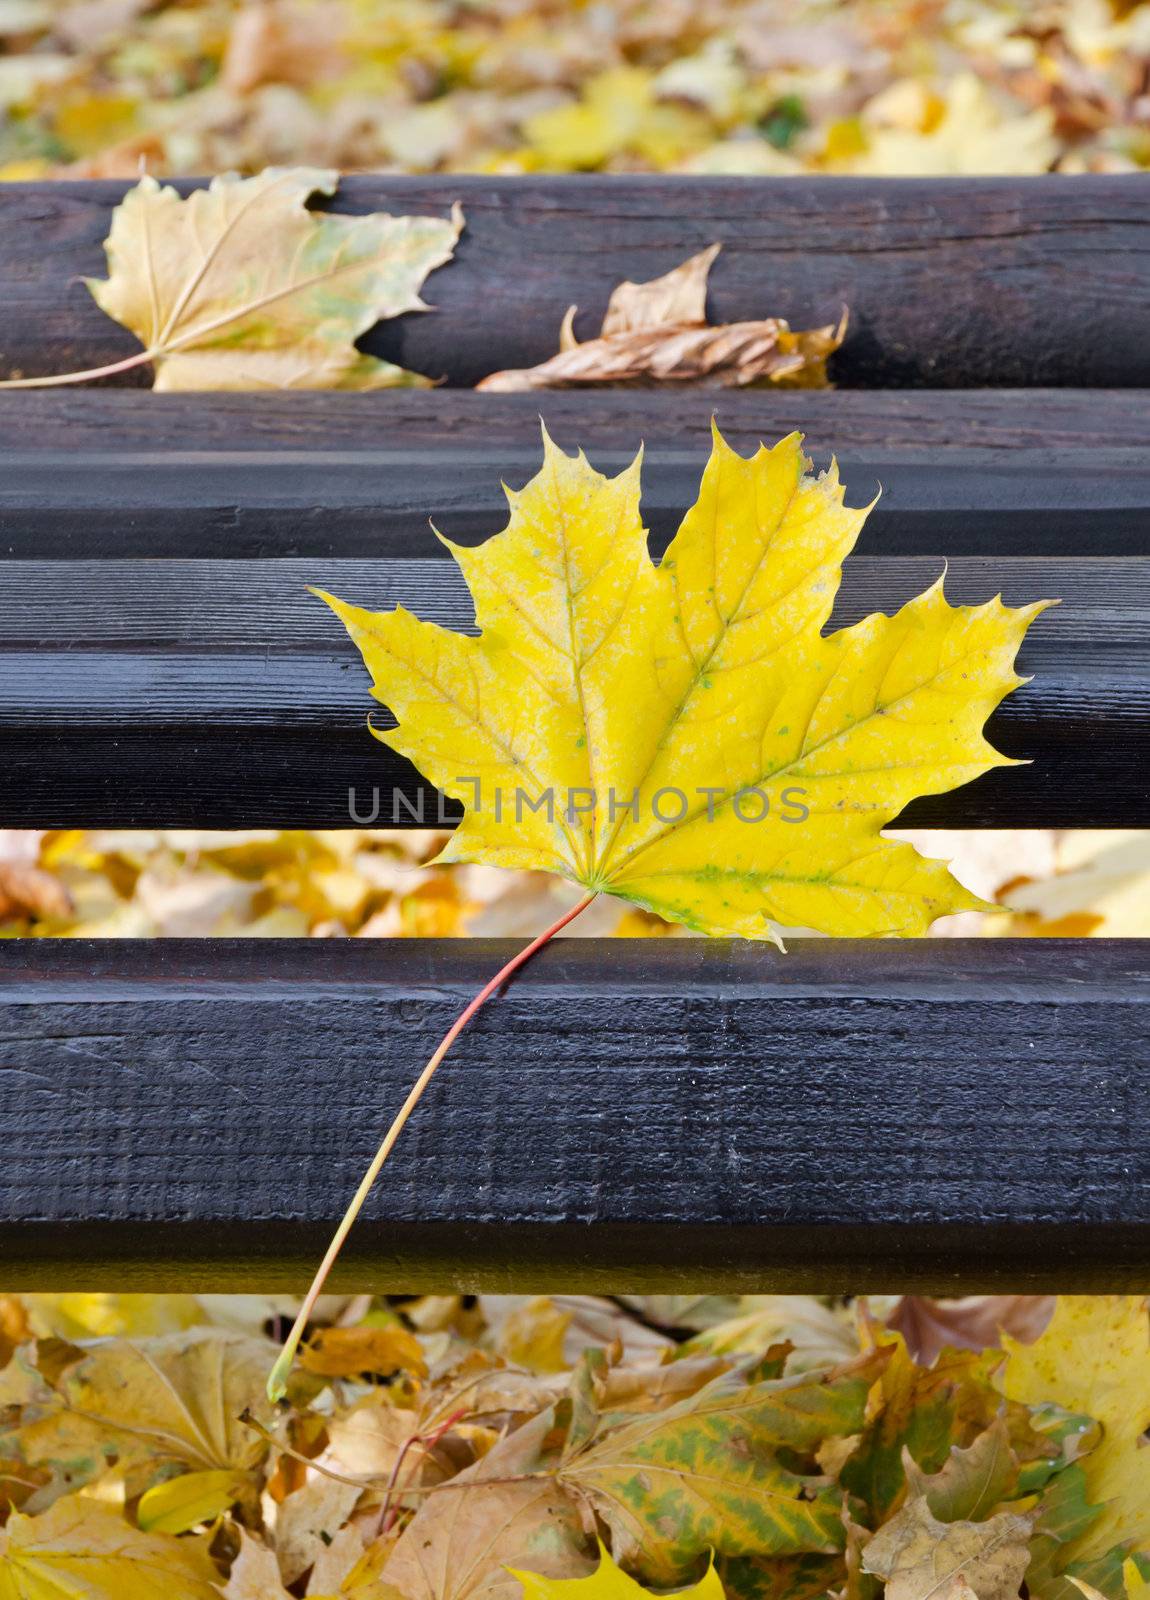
(958, 502)
(860, 420)
(950, 283)
(943, 1114)
(215, 693)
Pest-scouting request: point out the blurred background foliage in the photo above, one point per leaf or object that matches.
(101, 88)
(369, 882)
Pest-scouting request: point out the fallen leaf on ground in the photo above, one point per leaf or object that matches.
(975, 1322)
(1094, 1358)
(1101, 886)
(819, 1336)
(620, 110)
(507, 1510)
(972, 1482)
(28, 891)
(665, 1455)
(915, 1411)
(308, 1521)
(609, 1582)
(657, 332)
(961, 130)
(515, 86)
(15, 1327)
(80, 1550)
(346, 1352)
(919, 1557)
(274, 43)
(549, 1333)
(156, 1404)
(191, 1499)
(705, 1475)
(112, 1316)
(368, 1440)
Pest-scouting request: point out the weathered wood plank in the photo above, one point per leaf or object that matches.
(220, 694)
(266, 503)
(950, 283)
(98, 418)
(949, 1114)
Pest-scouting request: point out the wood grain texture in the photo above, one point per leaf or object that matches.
(264, 503)
(950, 1114)
(97, 418)
(952, 283)
(220, 694)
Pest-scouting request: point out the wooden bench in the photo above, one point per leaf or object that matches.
(939, 1114)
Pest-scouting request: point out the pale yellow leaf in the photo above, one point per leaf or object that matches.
(966, 132)
(820, 1336)
(255, 1573)
(308, 1520)
(240, 286)
(109, 1316)
(155, 1402)
(921, 1558)
(81, 1550)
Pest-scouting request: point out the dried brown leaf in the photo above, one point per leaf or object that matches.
(28, 891)
(975, 1322)
(677, 299)
(255, 1572)
(309, 1520)
(271, 42)
(924, 1559)
(657, 332)
(507, 1510)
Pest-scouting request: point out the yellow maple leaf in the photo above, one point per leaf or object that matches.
(240, 286)
(609, 1582)
(1094, 1359)
(82, 1550)
(685, 736)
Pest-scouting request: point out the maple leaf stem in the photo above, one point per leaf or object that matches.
(139, 360)
(277, 1378)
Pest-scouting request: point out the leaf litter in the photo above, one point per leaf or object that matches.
(473, 1453)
